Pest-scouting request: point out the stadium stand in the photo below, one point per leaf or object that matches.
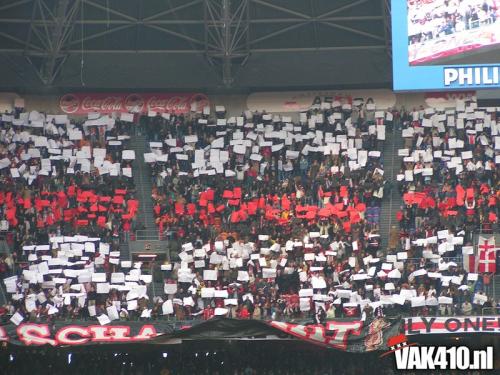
(281, 222)
(58, 176)
(249, 187)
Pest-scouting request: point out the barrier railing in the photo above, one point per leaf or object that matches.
(457, 260)
(3, 294)
(147, 235)
(4, 238)
(302, 318)
(4, 247)
(490, 311)
(488, 229)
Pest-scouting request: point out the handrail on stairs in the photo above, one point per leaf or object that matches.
(495, 279)
(148, 235)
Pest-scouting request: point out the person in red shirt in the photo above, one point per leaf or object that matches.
(208, 313)
(244, 314)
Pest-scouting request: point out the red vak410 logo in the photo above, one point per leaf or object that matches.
(410, 356)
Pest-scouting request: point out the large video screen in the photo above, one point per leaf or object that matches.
(445, 44)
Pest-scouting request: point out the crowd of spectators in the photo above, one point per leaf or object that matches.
(258, 170)
(60, 176)
(449, 175)
(449, 180)
(258, 240)
(60, 179)
(252, 249)
(259, 173)
(79, 278)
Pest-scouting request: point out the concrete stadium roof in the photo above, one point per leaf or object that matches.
(210, 45)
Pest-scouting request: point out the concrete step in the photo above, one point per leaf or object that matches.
(3, 294)
(392, 201)
(143, 183)
(495, 292)
(124, 251)
(158, 290)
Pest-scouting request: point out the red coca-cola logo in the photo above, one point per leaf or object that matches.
(174, 104)
(107, 104)
(69, 103)
(134, 103)
(177, 104)
(82, 103)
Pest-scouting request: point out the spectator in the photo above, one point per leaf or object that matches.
(467, 308)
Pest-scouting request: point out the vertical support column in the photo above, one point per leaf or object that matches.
(386, 13)
(227, 78)
(226, 35)
(52, 28)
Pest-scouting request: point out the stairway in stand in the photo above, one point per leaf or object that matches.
(143, 184)
(4, 250)
(3, 295)
(392, 200)
(157, 289)
(149, 235)
(124, 251)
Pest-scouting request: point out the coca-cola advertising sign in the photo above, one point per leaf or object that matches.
(178, 103)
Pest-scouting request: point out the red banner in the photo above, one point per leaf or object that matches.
(344, 334)
(178, 103)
